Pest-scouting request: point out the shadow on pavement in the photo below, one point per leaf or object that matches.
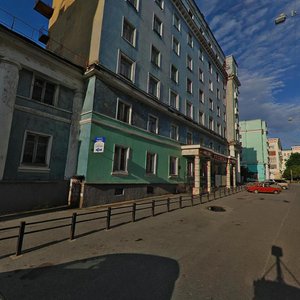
(117, 276)
(278, 289)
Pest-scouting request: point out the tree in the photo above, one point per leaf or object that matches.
(292, 167)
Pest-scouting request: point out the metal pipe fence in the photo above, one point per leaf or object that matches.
(107, 214)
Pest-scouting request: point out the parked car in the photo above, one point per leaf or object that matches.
(263, 187)
(282, 183)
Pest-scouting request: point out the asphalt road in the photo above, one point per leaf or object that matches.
(249, 251)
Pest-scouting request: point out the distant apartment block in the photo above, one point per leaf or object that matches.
(254, 162)
(275, 157)
(286, 155)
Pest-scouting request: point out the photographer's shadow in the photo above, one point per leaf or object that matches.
(278, 289)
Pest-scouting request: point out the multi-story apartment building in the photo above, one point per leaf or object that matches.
(275, 158)
(154, 113)
(254, 162)
(232, 108)
(286, 155)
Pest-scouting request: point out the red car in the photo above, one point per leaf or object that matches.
(263, 187)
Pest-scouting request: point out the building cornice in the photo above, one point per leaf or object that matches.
(234, 78)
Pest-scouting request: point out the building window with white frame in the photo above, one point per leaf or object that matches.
(189, 138)
(218, 94)
(201, 96)
(176, 22)
(129, 32)
(210, 67)
(160, 3)
(174, 74)
(123, 112)
(189, 109)
(174, 132)
(151, 163)
(157, 25)
(152, 124)
(121, 155)
(176, 46)
(218, 111)
(153, 86)
(189, 63)
(174, 99)
(126, 67)
(201, 57)
(36, 150)
(190, 168)
(224, 116)
(190, 41)
(189, 86)
(201, 118)
(211, 124)
(211, 85)
(218, 77)
(219, 129)
(201, 75)
(134, 3)
(173, 166)
(211, 104)
(155, 56)
(43, 91)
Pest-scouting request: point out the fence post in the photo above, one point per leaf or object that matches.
(214, 194)
(192, 200)
(153, 208)
(180, 201)
(73, 225)
(20, 238)
(108, 216)
(168, 204)
(133, 211)
(200, 198)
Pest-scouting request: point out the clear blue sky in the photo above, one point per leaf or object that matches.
(268, 56)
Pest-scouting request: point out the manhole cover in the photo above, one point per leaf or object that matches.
(216, 208)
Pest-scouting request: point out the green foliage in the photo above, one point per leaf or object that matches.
(294, 160)
(292, 171)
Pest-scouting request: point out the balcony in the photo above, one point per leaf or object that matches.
(44, 9)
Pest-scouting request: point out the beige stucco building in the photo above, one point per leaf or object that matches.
(275, 158)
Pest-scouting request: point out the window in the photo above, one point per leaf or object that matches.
(210, 67)
(219, 129)
(218, 77)
(160, 3)
(119, 191)
(211, 104)
(150, 163)
(201, 96)
(189, 63)
(211, 85)
(225, 132)
(190, 40)
(120, 159)
(201, 118)
(173, 166)
(153, 86)
(126, 67)
(176, 46)
(152, 124)
(176, 22)
(128, 32)
(191, 14)
(36, 150)
(211, 124)
(189, 138)
(157, 25)
(224, 116)
(201, 75)
(155, 56)
(43, 91)
(218, 111)
(218, 94)
(201, 57)
(189, 86)
(189, 109)
(174, 99)
(190, 168)
(123, 112)
(174, 132)
(134, 3)
(174, 73)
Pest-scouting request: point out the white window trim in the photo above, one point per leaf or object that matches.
(134, 33)
(192, 109)
(188, 41)
(177, 99)
(157, 122)
(177, 132)
(189, 62)
(162, 5)
(154, 164)
(133, 66)
(187, 133)
(173, 39)
(159, 56)
(160, 33)
(158, 86)
(127, 159)
(177, 164)
(177, 74)
(191, 81)
(136, 7)
(174, 18)
(33, 168)
(130, 110)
